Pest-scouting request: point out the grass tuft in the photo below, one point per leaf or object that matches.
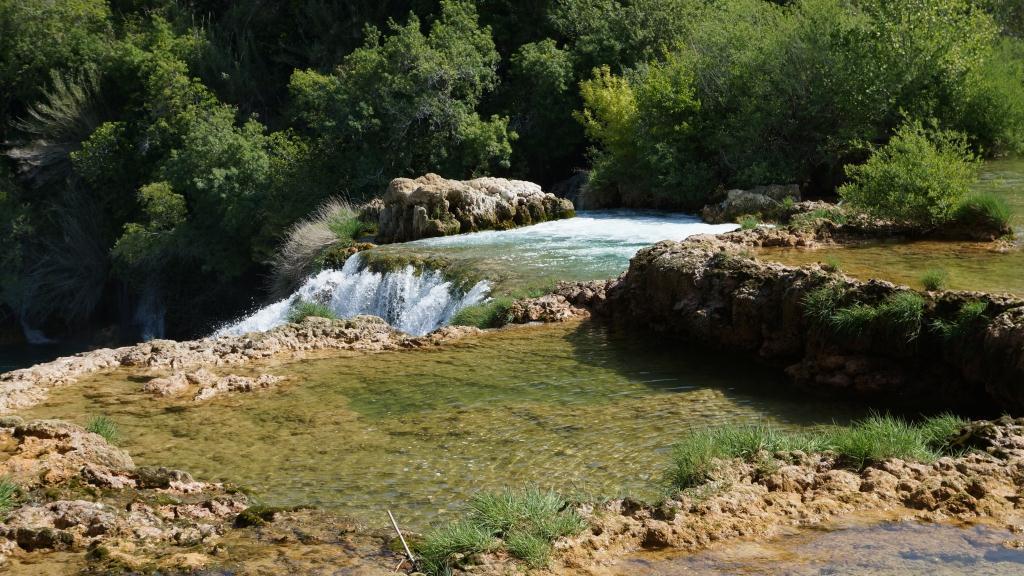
(898, 316)
(970, 316)
(442, 548)
(526, 521)
(748, 221)
(867, 441)
(490, 314)
(8, 491)
(104, 427)
(821, 303)
(303, 309)
(935, 279)
(983, 211)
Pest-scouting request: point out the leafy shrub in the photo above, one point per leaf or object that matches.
(104, 427)
(919, 176)
(490, 314)
(984, 211)
(970, 317)
(935, 279)
(303, 309)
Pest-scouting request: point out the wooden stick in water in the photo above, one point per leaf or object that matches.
(412, 559)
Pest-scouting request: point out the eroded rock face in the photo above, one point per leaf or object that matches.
(709, 290)
(434, 206)
(185, 360)
(548, 308)
(763, 200)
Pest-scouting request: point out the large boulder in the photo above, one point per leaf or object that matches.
(764, 200)
(434, 206)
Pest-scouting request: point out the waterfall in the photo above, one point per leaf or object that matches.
(413, 303)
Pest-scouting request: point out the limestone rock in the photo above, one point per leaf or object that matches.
(434, 206)
(763, 200)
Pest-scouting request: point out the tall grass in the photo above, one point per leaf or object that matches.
(303, 309)
(876, 438)
(898, 316)
(490, 314)
(104, 427)
(935, 279)
(334, 222)
(983, 210)
(970, 317)
(523, 523)
(8, 491)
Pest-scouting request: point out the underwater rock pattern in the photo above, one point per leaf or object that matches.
(432, 206)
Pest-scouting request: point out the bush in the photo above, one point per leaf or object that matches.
(935, 279)
(490, 314)
(919, 176)
(303, 309)
(983, 211)
(104, 427)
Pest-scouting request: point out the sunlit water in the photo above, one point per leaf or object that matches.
(594, 245)
(571, 407)
(969, 266)
(904, 548)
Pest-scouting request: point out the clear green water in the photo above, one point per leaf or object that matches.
(571, 407)
(969, 266)
(863, 550)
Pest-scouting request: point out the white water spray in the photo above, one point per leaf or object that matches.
(413, 303)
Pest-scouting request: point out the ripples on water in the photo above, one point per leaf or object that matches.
(867, 550)
(571, 407)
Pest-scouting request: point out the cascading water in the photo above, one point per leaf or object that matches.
(413, 303)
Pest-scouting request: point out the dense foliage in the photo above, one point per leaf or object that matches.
(157, 153)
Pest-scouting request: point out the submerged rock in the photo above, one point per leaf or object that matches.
(434, 206)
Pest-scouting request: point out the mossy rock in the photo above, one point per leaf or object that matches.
(260, 515)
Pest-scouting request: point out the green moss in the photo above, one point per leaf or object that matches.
(303, 309)
(258, 515)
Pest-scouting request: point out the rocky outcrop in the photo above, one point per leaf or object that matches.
(710, 291)
(79, 495)
(763, 200)
(27, 387)
(434, 206)
(548, 308)
(771, 493)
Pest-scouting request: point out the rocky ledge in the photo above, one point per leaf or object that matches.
(829, 333)
(27, 387)
(760, 497)
(78, 494)
(434, 206)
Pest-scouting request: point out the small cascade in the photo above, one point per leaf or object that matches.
(413, 303)
(149, 314)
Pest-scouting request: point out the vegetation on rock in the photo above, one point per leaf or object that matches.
(303, 309)
(105, 427)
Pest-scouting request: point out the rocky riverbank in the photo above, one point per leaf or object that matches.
(176, 366)
(829, 333)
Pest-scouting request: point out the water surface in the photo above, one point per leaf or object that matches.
(572, 407)
(860, 549)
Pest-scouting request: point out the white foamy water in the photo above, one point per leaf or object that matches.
(596, 244)
(413, 303)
